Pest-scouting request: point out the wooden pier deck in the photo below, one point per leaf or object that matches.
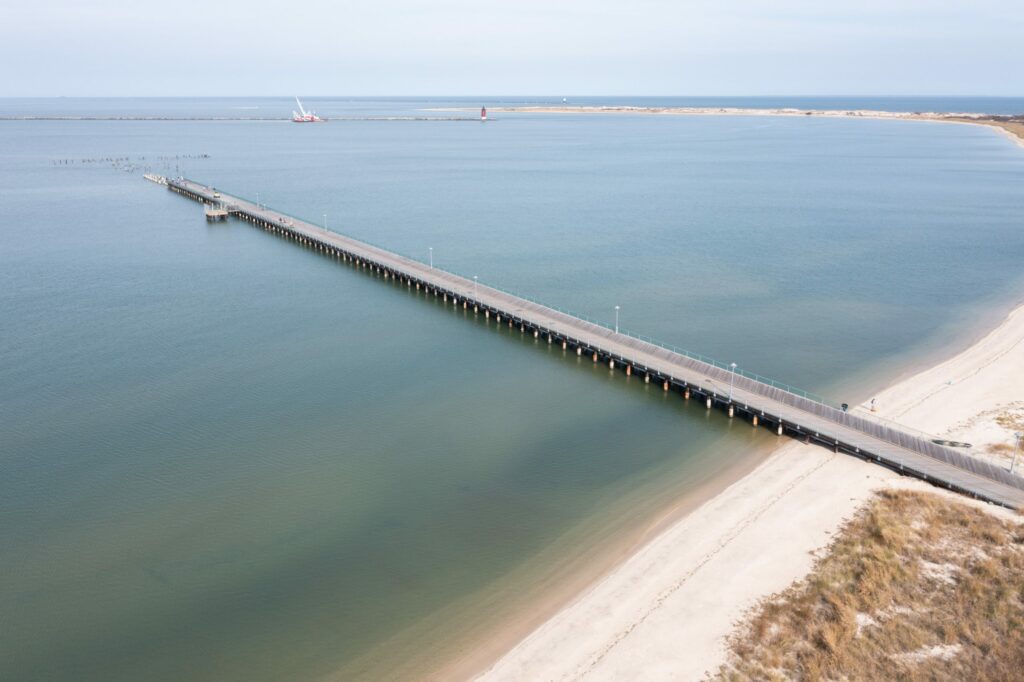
(766, 404)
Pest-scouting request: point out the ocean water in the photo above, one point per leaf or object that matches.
(226, 457)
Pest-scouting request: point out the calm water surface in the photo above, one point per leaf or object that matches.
(226, 457)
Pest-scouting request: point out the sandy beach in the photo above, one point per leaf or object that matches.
(666, 612)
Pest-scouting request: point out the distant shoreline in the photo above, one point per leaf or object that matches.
(1012, 125)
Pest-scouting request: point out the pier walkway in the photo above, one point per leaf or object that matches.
(765, 404)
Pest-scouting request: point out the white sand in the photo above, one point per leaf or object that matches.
(665, 613)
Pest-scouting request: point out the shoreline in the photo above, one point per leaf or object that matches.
(658, 613)
(564, 585)
(1012, 126)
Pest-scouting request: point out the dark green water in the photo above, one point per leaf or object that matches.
(225, 457)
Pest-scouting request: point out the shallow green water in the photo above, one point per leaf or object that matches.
(226, 457)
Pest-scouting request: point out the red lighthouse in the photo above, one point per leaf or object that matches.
(483, 113)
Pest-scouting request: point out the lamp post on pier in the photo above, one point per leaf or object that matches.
(325, 222)
(474, 287)
(616, 319)
(732, 376)
(431, 249)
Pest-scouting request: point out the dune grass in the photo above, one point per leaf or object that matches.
(916, 586)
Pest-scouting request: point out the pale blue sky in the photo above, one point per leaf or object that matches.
(538, 47)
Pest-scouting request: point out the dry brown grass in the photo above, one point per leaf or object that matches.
(1011, 421)
(915, 587)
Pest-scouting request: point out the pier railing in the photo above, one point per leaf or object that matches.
(853, 410)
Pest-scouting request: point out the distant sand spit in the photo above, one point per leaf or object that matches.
(1012, 125)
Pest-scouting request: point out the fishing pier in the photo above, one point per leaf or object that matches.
(739, 395)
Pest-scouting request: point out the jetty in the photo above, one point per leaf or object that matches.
(216, 213)
(764, 403)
